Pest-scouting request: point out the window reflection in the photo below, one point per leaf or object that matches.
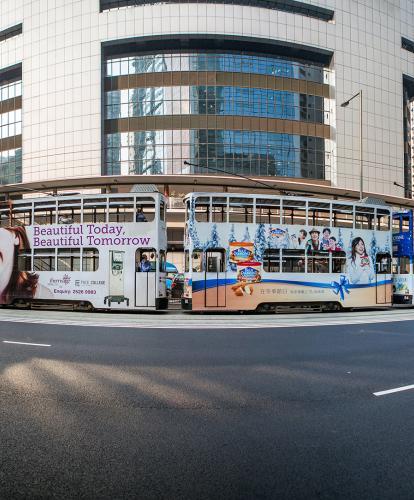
(237, 152)
(230, 62)
(11, 166)
(210, 100)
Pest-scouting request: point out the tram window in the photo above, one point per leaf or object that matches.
(161, 262)
(342, 216)
(396, 224)
(294, 212)
(44, 215)
(319, 214)
(5, 217)
(405, 224)
(338, 262)
(24, 260)
(202, 209)
(94, 210)
(215, 260)
(186, 261)
(145, 209)
(318, 262)
(267, 211)
(241, 210)
(295, 216)
(197, 261)
(271, 261)
(383, 220)
(219, 210)
(395, 265)
(404, 265)
(383, 263)
(187, 209)
(44, 260)
(162, 211)
(364, 218)
(69, 212)
(21, 217)
(90, 259)
(121, 210)
(145, 260)
(68, 259)
(293, 261)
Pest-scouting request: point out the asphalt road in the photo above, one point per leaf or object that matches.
(272, 413)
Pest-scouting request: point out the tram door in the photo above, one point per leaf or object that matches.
(215, 275)
(145, 277)
(383, 273)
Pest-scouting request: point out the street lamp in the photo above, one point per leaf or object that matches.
(344, 105)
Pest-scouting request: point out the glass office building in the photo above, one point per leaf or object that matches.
(101, 94)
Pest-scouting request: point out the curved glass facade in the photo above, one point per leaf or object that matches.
(230, 62)
(236, 152)
(155, 122)
(215, 100)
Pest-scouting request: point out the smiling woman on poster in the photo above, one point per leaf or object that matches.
(360, 267)
(14, 283)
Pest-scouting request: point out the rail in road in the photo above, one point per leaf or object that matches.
(184, 321)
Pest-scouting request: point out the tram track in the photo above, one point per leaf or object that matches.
(178, 320)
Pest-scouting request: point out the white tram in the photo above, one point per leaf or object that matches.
(103, 251)
(259, 252)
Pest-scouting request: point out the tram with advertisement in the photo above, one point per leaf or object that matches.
(98, 251)
(403, 257)
(261, 252)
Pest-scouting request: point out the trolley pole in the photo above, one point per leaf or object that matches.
(361, 168)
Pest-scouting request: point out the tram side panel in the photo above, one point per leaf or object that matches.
(114, 278)
(241, 283)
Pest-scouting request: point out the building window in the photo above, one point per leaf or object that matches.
(210, 61)
(11, 166)
(211, 100)
(239, 152)
(291, 6)
(11, 32)
(407, 44)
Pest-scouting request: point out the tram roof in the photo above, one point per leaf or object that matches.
(53, 198)
(368, 202)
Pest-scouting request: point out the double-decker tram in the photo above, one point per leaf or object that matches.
(103, 251)
(403, 257)
(261, 252)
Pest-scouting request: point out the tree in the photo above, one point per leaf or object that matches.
(192, 227)
(387, 247)
(260, 243)
(231, 266)
(270, 239)
(349, 250)
(340, 240)
(214, 241)
(373, 248)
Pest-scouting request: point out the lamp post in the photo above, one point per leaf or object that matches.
(344, 105)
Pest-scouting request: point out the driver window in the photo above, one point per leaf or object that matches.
(383, 261)
(197, 261)
(215, 261)
(145, 260)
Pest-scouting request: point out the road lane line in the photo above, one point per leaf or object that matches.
(391, 391)
(26, 343)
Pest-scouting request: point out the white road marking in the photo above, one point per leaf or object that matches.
(25, 343)
(391, 391)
